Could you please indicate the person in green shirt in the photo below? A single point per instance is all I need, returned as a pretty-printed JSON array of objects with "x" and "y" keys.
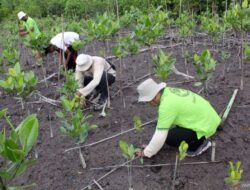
[
  {"x": 28, "y": 25},
  {"x": 182, "y": 116}
]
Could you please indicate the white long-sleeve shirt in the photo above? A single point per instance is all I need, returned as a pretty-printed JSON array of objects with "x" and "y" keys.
[
  {"x": 156, "y": 142},
  {"x": 98, "y": 66}
]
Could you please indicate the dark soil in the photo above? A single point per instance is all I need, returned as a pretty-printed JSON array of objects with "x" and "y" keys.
[{"x": 57, "y": 170}]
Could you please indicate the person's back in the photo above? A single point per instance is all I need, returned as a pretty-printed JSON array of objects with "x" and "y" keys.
[
  {"x": 30, "y": 24},
  {"x": 188, "y": 110}
]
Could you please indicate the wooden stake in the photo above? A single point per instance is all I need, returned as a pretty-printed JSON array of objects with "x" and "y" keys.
[{"x": 108, "y": 138}]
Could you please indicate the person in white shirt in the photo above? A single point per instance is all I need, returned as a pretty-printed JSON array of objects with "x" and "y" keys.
[
  {"x": 94, "y": 74},
  {"x": 62, "y": 43}
]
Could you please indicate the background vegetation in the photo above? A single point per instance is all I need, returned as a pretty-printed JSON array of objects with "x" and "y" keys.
[{"x": 84, "y": 8}]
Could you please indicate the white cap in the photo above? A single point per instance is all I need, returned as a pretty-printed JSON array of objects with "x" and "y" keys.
[
  {"x": 21, "y": 14},
  {"x": 148, "y": 90},
  {"x": 83, "y": 62}
]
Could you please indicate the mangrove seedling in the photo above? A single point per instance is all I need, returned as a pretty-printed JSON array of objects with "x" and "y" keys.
[
  {"x": 74, "y": 123},
  {"x": 128, "y": 152},
  {"x": 183, "y": 147},
  {"x": 14, "y": 149},
  {"x": 9, "y": 56},
  {"x": 183, "y": 150},
  {"x": 163, "y": 65},
  {"x": 77, "y": 45},
  {"x": 19, "y": 82},
  {"x": 70, "y": 85},
  {"x": 204, "y": 65},
  {"x": 235, "y": 173}
]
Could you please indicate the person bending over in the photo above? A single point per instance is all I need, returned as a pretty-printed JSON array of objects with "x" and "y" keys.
[
  {"x": 62, "y": 43},
  {"x": 182, "y": 116},
  {"x": 94, "y": 75}
]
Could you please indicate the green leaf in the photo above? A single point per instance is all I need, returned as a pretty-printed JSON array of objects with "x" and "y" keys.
[
  {"x": 5, "y": 174},
  {"x": 245, "y": 4},
  {"x": 93, "y": 126},
  {"x": 60, "y": 114},
  {"x": 28, "y": 132},
  {"x": 137, "y": 122},
  {"x": 66, "y": 104},
  {"x": 3, "y": 112},
  {"x": 124, "y": 148},
  {"x": 12, "y": 151},
  {"x": 23, "y": 166}
]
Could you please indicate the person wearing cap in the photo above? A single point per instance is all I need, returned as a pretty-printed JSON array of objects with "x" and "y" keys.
[
  {"x": 29, "y": 25},
  {"x": 182, "y": 116},
  {"x": 94, "y": 74},
  {"x": 62, "y": 43}
]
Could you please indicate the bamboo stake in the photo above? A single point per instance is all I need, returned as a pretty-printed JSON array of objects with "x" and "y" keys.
[
  {"x": 108, "y": 138},
  {"x": 229, "y": 106},
  {"x": 110, "y": 172},
  {"x": 175, "y": 171},
  {"x": 155, "y": 165}
]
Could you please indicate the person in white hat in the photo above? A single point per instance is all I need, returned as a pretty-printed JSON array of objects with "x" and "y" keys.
[
  {"x": 94, "y": 73},
  {"x": 62, "y": 43},
  {"x": 28, "y": 25},
  {"x": 182, "y": 116}
]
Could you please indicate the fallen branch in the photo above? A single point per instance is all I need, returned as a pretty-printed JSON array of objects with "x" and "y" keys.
[
  {"x": 154, "y": 165},
  {"x": 108, "y": 138},
  {"x": 181, "y": 74},
  {"x": 110, "y": 172},
  {"x": 48, "y": 100},
  {"x": 47, "y": 78},
  {"x": 97, "y": 184},
  {"x": 130, "y": 84},
  {"x": 149, "y": 49}
]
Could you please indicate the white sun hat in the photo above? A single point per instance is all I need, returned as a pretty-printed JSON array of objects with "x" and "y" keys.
[
  {"x": 83, "y": 62},
  {"x": 148, "y": 90},
  {"x": 21, "y": 14}
]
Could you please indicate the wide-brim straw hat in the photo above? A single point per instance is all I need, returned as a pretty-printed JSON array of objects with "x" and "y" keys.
[
  {"x": 148, "y": 90},
  {"x": 21, "y": 14},
  {"x": 83, "y": 62}
]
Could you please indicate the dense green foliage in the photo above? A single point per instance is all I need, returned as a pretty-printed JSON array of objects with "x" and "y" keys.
[{"x": 86, "y": 8}]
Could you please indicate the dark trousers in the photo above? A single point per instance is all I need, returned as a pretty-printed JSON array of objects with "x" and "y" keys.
[
  {"x": 72, "y": 59},
  {"x": 178, "y": 134},
  {"x": 102, "y": 86}
]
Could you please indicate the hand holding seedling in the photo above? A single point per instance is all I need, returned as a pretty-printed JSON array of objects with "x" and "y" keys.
[
  {"x": 82, "y": 99},
  {"x": 140, "y": 153}
]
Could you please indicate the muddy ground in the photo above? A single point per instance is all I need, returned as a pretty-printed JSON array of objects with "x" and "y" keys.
[{"x": 56, "y": 169}]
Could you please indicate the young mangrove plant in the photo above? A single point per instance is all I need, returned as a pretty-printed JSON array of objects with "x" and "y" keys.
[
  {"x": 238, "y": 17},
  {"x": 212, "y": 26},
  {"x": 14, "y": 149},
  {"x": 19, "y": 82},
  {"x": 70, "y": 85},
  {"x": 235, "y": 174},
  {"x": 204, "y": 65},
  {"x": 128, "y": 152},
  {"x": 102, "y": 28},
  {"x": 185, "y": 24},
  {"x": 73, "y": 122},
  {"x": 163, "y": 64},
  {"x": 138, "y": 126},
  {"x": 183, "y": 147},
  {"x": 10, "y": 56}
]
